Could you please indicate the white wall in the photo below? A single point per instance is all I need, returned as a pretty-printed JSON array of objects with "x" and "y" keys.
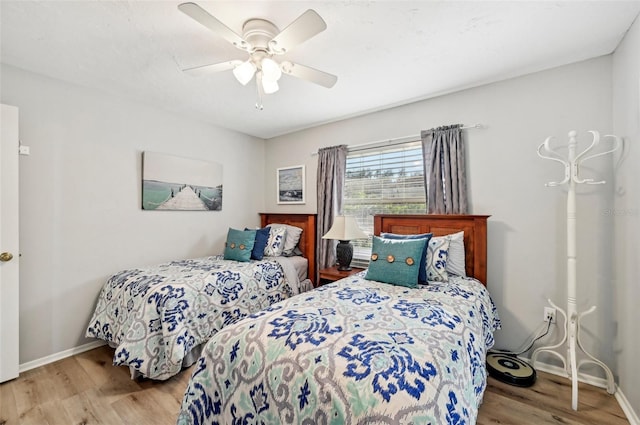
[
  {"x": 80, "y": 199},
  {"x": 626, "y": 217},
  {"x": 527, "y": 228}
]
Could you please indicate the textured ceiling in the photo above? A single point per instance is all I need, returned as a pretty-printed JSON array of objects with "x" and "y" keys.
[{"x": 385, "y": 53}]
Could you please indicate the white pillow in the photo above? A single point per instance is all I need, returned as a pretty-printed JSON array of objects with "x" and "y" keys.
[
  {"x": 456, "y": 261},
  {"x": 292, "y": 237},
  {"x": 275, "y": 243}
]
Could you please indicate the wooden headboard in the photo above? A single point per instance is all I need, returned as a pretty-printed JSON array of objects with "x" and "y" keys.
[
  {"x": 307, "y": 243},
  {"x": 474, "y": 227}
]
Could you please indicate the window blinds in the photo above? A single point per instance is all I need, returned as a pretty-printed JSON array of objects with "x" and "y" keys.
[{"x": 383, "y": 180}]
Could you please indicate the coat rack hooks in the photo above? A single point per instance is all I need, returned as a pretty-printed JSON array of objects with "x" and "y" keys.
[{"x": 571, "y": 317}]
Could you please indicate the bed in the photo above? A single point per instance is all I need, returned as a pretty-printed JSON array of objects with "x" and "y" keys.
[
  {"x": 359, "y": 351},
  {"x": 158, "y": 317}
]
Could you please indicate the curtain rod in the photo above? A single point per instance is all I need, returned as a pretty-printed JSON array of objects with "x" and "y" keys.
[{"x": 396, "y": 140}]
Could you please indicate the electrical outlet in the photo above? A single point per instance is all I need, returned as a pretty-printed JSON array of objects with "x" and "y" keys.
[{"x": 549, "y": 314}]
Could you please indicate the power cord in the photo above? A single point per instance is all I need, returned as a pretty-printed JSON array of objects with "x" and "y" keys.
[{"x": 533, "y": 340}]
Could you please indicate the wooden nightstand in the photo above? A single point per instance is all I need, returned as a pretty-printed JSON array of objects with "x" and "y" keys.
[{"x": 331, "y": 274}]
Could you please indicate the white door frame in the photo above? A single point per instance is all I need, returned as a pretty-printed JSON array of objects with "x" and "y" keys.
[{"x": 9, "y": 269}]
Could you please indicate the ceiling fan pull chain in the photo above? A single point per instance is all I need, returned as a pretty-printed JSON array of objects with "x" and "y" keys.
[{"x": 259, "y": 105}]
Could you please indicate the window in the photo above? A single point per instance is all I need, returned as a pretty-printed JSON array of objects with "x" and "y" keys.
[{"x": 382, "y": 180}]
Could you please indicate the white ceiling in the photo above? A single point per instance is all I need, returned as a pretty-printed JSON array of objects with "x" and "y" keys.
[{"x": 385, "y": 53}]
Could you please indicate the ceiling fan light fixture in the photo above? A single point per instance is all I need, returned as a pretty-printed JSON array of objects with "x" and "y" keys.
[
  {"x": 271, "y": 70},
  {"x": 269, "y": 86},
  {"x": 244, "y": 72}
]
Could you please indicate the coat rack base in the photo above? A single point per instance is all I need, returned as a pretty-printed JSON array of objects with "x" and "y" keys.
[{"x": 571, "y": 339}]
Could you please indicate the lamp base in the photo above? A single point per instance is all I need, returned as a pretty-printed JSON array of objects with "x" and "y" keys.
[{"x": 344, "y": 254}]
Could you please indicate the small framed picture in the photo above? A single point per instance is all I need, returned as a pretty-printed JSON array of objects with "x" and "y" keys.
[{"x": 290, "y": 184}]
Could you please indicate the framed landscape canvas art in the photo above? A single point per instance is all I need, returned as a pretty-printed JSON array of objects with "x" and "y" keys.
[
  {"x": 174, "y": 183},
  {"x": 291, "y": 185}
]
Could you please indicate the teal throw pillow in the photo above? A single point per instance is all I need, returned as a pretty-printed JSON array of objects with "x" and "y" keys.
[
  {"x": 239, "y": 244},
  {"x": 396, "y": 261},
  {"x": 422, "y": 274}
]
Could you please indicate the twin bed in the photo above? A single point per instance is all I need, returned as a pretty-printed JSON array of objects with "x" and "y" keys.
[
  {"x": 358, "y": 350},
  {"x": 157, "y": 318}
]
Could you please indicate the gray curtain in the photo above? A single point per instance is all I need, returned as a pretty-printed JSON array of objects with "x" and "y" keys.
[
  {"x": 444, "y": 170},
  {"x": 332, "y": 163}
]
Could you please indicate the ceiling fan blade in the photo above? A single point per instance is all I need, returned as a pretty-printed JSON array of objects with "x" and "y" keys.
[
  {"x": 310, "y": 74},
  {"x": 214, "y": 67},
  {"x": 205, "y": 18},
  {"x": 303, "y": 28}
]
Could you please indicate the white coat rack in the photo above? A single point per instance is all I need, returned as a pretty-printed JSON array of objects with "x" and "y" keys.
[{"x": 571, "y": 316}]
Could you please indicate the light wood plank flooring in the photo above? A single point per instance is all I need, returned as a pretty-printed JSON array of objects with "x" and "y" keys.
[{"x": 86, "y": 389}]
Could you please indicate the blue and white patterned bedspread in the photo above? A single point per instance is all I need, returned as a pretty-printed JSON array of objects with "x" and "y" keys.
[
  {"x": 156, "y": 315},
  {"x": 352, "y": 352}
]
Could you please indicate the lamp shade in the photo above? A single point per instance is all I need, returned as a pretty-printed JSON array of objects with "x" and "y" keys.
[{"x": 345, "y": 228}]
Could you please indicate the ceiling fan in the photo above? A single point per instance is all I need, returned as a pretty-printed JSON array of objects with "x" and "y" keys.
[{"x": 263, "y": 41}]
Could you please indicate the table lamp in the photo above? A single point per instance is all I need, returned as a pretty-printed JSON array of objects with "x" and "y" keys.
[{"x": 344, "y": 229}]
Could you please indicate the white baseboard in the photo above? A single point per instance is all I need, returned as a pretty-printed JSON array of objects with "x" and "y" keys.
[
  {"x": 559, "y": 371},
  {"x": 59, "y": 356},
  {"x": 626, "y": 407},
  {"x": 632, "y": 417}
]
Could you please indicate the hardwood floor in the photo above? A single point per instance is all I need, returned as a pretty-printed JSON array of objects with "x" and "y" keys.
[
  {"x": 548, "y": 401},
  {"x": 86, "y": 389}
]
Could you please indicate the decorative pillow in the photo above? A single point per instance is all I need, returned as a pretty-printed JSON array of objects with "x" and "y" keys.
[
  {"x": 422, "y": 274},
  {"x": 275, "y": 244},
  {"x": 437, "y": 259},
  {"x": 456, "y": 260},
  {"x": 396, "y": 261},
  {"x": 262, "y": 237},
  {"x": 292, "y": 237},
  {"x": 239, "y": 244}
]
